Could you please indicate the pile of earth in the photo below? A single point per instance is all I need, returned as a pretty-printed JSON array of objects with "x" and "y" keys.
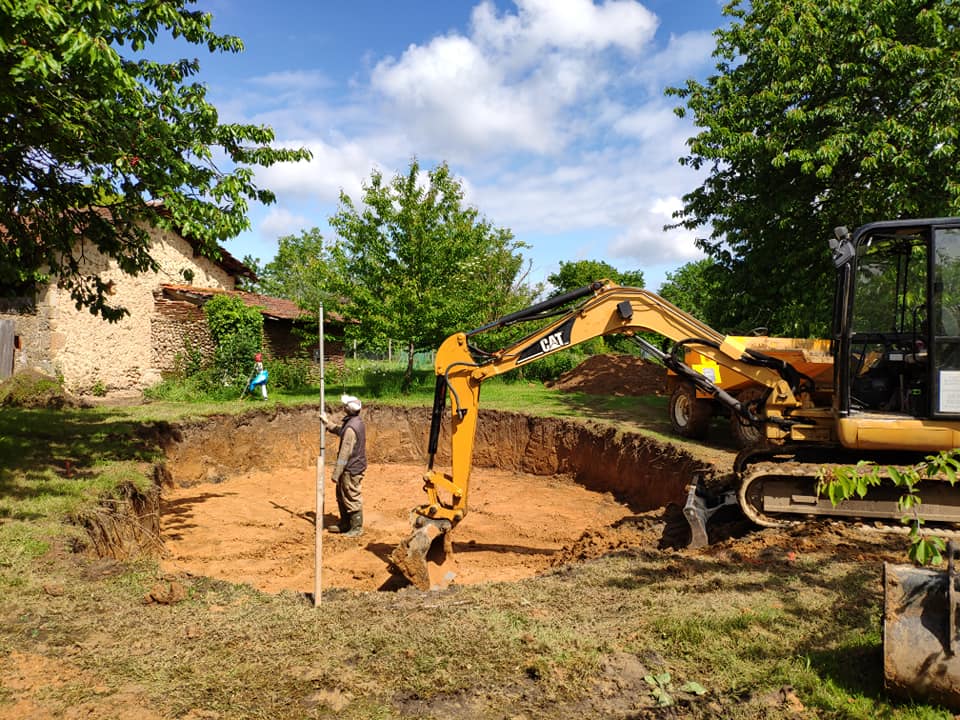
[
  {"x": 34, "y": 389},
  {"x": 614, "y": 375}
]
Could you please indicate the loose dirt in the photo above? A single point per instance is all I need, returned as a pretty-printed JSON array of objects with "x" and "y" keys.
[
  {"x": 258, "y": 528},
  {"x": 241, "y": 498},
  {"x": 618, "y": 375}
]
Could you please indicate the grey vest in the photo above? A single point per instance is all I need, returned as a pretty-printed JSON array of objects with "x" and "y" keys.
[{"x": 357, "y": 462}]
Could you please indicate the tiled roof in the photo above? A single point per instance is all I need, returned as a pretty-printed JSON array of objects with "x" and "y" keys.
[{"x": 272, "y": 307}]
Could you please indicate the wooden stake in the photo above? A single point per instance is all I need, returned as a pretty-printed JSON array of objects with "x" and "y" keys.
[{"x": 318, "y": 550}]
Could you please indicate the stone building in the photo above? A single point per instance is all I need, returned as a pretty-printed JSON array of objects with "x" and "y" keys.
[{"x": 50, "y": 334}]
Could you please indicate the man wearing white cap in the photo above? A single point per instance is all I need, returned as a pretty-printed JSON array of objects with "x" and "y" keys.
[{"x": 350, "y": 465}]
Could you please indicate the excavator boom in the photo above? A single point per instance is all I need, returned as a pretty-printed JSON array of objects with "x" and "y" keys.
[
  {"x": 895, "y": 395},
  {"x": 604, "y": 308}
]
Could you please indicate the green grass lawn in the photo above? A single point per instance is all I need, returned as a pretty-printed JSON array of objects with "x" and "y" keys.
[{"x": 639, "y": 633}]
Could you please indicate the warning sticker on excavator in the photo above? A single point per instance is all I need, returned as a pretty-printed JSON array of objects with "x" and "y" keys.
[{"x": 709, "y": 369}]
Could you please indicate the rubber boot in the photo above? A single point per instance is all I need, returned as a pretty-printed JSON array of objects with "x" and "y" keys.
[
  {"x": 343, "y": 524},
  {"x": 356, "y": 524}
]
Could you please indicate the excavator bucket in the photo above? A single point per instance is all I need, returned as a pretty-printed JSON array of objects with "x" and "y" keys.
[
  {"x": 921, "y": 641},
  {"x": 420, "y": 558},
  {"x": 698, "y": 510}
]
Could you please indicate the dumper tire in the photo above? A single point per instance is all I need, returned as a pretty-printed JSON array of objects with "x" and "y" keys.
[
  {"x": 689, "y": 415},
  {"x": 744, "y": 434}
]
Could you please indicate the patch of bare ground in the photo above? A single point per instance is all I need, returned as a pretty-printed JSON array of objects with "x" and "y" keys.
[
  {"x": 242, "y": 497},
  {"x": 30, "y": 677}
]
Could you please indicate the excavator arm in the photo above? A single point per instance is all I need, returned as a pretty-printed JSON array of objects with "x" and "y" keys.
[{"x": 603, "y": 308}]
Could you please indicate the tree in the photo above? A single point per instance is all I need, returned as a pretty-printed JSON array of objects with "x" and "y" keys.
[
  {"x": 416, "y": 265},
  {"x": 694, "y": 287},
  {"x": 822, "y": 113},
  {"x": 98, "y": 141},
  {"x": 300, "y": 271},
  {"x": 578, "y": 274}
]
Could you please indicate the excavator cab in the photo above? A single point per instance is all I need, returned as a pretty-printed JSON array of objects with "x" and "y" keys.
[{"x": 897, "y": 330}]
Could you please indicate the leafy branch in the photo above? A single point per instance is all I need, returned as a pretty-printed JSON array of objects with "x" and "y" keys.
[{"x": 844, "y": 482}]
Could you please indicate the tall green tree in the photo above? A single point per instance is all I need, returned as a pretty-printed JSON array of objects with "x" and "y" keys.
[
  {"x": 300, "y": 271},
  {"x": 821, "y": 113},
  {"x": 99, "y": 141},
  {"x": 416, "y": 264},
  {"x": 580, "y": 273},
  {"x": 695, "y": 288}
]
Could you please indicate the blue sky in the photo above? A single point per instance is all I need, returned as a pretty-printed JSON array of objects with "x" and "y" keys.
[{"x": 550, "y": 112}]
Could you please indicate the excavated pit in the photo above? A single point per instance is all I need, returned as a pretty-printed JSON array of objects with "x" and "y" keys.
[{"x": 239, "y": 497}]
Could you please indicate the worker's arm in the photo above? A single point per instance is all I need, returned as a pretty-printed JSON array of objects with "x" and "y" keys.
[
  {"x": 329, "y": 424},
  {"x": 347, "y": 442}
]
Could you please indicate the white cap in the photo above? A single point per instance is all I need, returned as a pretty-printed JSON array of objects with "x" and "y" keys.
[{"x": 352, "y": 403}]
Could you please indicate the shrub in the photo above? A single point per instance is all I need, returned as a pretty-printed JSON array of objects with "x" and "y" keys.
[
  {"x": 207, "y": 385},
  {"x": 380, "y": 381},
  {"x": 237, "y": 331},
  {"x": 548, "y": 368},
  {"x": 291, "y": 375},
  {"x": 190, "y": 361},
  {"x": 33, "y": 389}
]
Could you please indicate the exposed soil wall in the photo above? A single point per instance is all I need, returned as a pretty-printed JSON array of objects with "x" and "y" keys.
[
  {"x": 639, "y": 470},
  {"x": 237, "y": 496},
  {"x": 127, "y": 525}
]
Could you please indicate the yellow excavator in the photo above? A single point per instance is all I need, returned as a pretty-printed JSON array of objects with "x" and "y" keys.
[{"x": 895, "y": 343}]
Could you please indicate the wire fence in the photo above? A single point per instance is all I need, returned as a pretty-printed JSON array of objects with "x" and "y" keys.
[{"x": 394, "y": 353}]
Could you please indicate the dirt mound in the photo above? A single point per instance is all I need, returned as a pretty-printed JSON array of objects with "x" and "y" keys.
[
  {"x": 613, "y": 375},
  {"x": 33, "y": 389}
]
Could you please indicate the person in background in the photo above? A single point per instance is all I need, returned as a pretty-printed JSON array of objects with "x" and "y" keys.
[
  {"x": 350, "y": 465},
  {"x": 259, "y": 376}
]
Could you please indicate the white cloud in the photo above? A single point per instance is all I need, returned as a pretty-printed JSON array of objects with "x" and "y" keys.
[
  {"x": 520, "y": 81},
  {"x": 645, "y": 239},
  {"x": 684, "y": 56},
  {"x": 279, "y": 222},
  {"x": 343, "y": 166},
  {"x": 293, "y": 80},
  {"x": 652, "y": 122},
  {"x": 570, "y": 24},
  {"x": 450, "y": 95}
]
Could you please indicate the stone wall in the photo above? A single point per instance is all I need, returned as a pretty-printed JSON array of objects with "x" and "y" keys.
[
  {"x": 86, "y": 350},
  {"x": 178, "y": 328},
  {"x": 32, "y": 329}
]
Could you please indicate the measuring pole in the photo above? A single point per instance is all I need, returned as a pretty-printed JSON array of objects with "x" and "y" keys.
[{"x": 318, "y": 554}]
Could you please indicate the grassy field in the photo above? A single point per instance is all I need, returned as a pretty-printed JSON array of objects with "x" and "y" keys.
[{"x": 642, "y": 633}]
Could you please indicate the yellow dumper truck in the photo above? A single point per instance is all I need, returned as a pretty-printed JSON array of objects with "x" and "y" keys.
[{"x": 692, "y": 409}]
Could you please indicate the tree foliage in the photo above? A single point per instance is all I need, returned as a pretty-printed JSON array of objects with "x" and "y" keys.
[
  {"x": 706, "y": 290},
  {"x": 300, "y": 271},
  {"x": 841, "y": 483},
  {"x": 417, "y": 265},
  {"x": 580, "y": 273},
  {"x": 98, "y": 141},
  {"x": 821, "y": 113},
  {"x": 237, "y": 332}
]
